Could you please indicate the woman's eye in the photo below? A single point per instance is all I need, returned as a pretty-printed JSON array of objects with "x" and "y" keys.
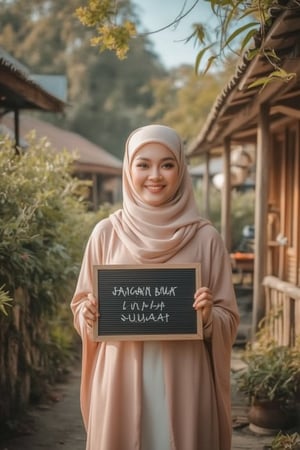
[
  {"x": 142, "y": 165},
  {"x": 168, "y": 165}
]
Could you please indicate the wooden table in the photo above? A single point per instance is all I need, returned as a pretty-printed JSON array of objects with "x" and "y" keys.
[{"x": 242, "y": 263}]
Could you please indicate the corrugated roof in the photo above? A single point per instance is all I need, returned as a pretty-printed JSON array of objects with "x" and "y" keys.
[
  {"x": 54, "y": 84},
  {"x": 18, "y": 91},
  {"x": 13, "y": 63},
  {"x": 236, "y": 107}
]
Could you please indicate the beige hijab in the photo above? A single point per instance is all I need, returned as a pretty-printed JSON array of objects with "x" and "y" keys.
[{"x": 154, "y": 234}]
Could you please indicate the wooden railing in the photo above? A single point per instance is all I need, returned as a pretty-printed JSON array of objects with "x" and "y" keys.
[{"x": 283, "y": 309}]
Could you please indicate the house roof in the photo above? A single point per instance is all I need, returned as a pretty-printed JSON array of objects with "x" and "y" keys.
[
  {"x": 19, "y": 91},
  {"x": 54, "y": 84},
  {"x": 91, "y": 158},
  {"x": 234, "y": 113}
]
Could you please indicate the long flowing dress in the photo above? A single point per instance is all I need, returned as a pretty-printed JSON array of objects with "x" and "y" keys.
[{"x": 168, "y": 395}]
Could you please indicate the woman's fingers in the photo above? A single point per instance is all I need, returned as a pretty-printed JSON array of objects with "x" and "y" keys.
[
  {"x": 203, "y": 300},
  {"x": 90, "y": 310}
]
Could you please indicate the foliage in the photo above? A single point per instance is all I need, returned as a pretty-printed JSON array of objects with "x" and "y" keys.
[
  {"x": 243, "y": 205},
  {"x": 107, "y": 98},
  {"x": 183, "y": 100},
  {"x": 5, "y": 300},
  {"x": 43, "y": 223},
  {"x": 214, "y": 205},
  {"x": 240, "y": 24},
  {"x": 39, "y": 222},
  {"x": 284, "y": 441},
  {"x": 242, "y": 211},
  {"x": 44, "y": 226},
  {"x": 110, "y": 35},
  {"x": 272, "y": 371}
]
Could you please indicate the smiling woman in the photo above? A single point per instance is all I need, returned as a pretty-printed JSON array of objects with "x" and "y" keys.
[
  {"x": 158, "y": 394},
  {"x": 154, "y": 173}
]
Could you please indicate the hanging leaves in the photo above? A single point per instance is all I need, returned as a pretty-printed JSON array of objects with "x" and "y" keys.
[{"x": 102, "y": 16}]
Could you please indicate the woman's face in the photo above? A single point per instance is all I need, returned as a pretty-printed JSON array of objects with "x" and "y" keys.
[{"x": 154, "y": 173}]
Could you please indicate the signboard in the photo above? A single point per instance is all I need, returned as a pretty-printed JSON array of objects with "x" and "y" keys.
[{"x": 147, "y": 302}]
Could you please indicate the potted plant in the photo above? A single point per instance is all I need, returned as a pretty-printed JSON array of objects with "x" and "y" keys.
[
  {"x": 286, "y": 441},
  {"x": 271, "y": 380}
]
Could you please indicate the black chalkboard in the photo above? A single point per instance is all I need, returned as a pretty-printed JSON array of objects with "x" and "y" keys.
[{"x": 147, "y": 302}]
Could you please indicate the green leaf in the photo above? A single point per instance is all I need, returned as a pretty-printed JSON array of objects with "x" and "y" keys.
[
  {"x": 5, "y": 300},
  {"x": 199, "y": 33},
  {"x": 221, "y": 3},
  {"x": 248, "y": 12},
  {"x": 277, "y": 75},
  {"x": 239, "y": 31},
  {"x": 247, "y": 38},
  {"x": 200, "y": 56},
  {"x": 211, "y": 59},
  {"x": 251, "y": 53}
]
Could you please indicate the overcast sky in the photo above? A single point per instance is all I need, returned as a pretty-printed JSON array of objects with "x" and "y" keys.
[{"x": 168, "y": 44}]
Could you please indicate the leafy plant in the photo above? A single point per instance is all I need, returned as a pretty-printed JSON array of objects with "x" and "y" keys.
[
  {"x": 110, "y": 34},
  {"x": 44, "y": 225},
  {"x": 5, "y": 300},
  {"x": 239, "y": 24},
  {"x": 284, "y": 441},
  {"x": 272, "y": 371}
]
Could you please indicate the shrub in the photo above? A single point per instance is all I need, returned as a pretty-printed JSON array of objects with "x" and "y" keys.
[{"x": 44, "y": 225}]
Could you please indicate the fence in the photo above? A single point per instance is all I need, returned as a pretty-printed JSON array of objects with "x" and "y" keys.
[{"x": 283, "y": 306}]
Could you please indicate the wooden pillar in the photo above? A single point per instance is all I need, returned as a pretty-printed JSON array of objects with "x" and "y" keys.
[
  {"x": 206, "y": 186},
  {"x": 226, "y": 197},
  {"x": 17, "y": 130},
  {"x": 261, "y": 215},
  {"x": 95, "y": 192}
]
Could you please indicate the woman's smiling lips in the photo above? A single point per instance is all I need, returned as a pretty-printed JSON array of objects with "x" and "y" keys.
[{"x": 154, "y": 188}]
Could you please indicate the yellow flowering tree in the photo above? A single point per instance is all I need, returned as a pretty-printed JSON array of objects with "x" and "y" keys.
[{"x": 238, "y": 22}]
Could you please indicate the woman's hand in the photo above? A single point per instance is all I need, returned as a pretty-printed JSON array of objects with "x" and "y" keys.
[
  {"x": 204, "y": 301},
  {"x": 89, "y": 310}
]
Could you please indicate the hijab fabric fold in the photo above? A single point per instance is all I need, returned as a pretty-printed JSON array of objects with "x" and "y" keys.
[{"x": 154, "y": 234}]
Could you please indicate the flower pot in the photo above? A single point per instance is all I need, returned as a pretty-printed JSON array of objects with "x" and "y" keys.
[{"x": 269, "y": 417}]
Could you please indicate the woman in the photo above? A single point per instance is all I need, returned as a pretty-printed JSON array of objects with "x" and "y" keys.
[{"x": 167, "y": 395}]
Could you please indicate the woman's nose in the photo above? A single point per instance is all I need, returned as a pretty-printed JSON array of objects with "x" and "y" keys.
[{"x": 155, "y": 173}]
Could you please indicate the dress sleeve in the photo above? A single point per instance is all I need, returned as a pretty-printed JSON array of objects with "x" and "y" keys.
[
  {"x": 225, "y": 321},
  {"x": 92, "y": 256}
]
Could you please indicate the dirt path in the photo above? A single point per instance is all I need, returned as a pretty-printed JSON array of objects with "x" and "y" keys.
[
  {"x": 54, "y": 426},
  {"x": 58, "y": 426}
]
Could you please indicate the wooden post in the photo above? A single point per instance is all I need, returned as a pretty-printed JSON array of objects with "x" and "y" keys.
[
  {"x": 226, "y": 197},
  {"x": 17, "y": 130},
  {"x": 206, "y": 189},
  {"x": 261, "y": 215},
  {"x": 95, "y": 192}
]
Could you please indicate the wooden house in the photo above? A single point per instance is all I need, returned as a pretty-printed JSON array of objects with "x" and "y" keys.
[
  {"x": 269, "y": 118},
  {"x": 20, "y": 91},
  {"x": 92, "y": 162}
]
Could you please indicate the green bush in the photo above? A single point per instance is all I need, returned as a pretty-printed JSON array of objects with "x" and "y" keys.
[
  {"x": 5, "y": 300},
  {"x": 40, "y": 222},
  {"x": 272, "y": 371},
  {"x": 286, "y": 441},
  {"x": 44, "y": 225}
]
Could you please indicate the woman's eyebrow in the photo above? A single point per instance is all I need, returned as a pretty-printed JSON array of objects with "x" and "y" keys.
[{"x": 167, "y": 158}]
